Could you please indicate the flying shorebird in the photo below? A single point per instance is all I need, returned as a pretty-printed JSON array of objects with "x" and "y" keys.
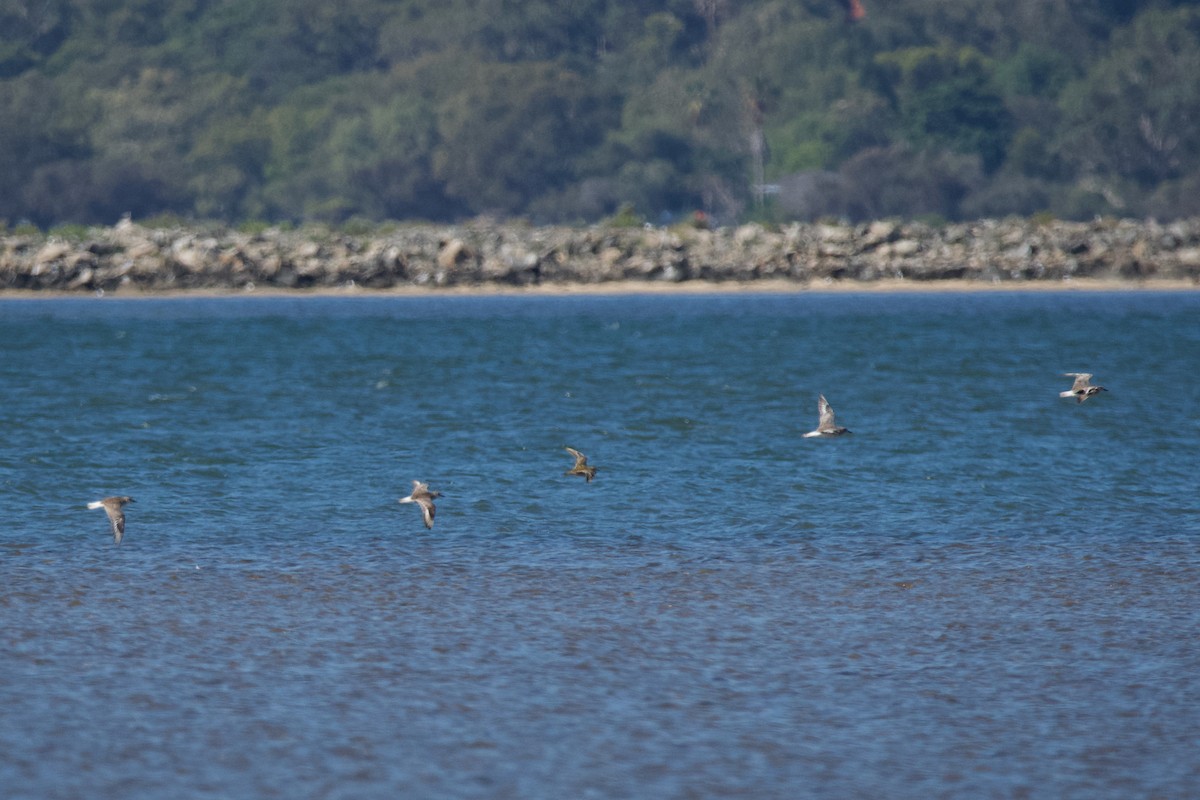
[
  {"x": 424, "y": 498},
  {"x": 581, "y": 466},
  {"x": 1082, "y": 389},
  {"x": 113, "y": 506},
  {"x": 826, "y": 426}
]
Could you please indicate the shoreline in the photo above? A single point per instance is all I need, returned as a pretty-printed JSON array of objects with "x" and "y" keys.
[
  {"x": 634, "y": 288},
  {"x": 487, "y": 258}
]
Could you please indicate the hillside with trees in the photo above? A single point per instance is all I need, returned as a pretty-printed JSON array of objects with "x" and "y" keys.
[{"x": 299, "y": 110}]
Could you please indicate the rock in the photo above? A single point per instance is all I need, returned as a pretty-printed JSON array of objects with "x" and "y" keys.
[
  {"x": 190, "y": 258},
  {"x": 517, "y": 257},
  {"x": 747, "y": 234},
  {"x": 1189, "y": 256},
  {"x": 834, "y": 233},
  {"x": 983, "y": 250},
  {"x": 610, "y": 256},
  {"x": 880, "y": 232},
  {"x": 141, "y": 248},
  {"x": 51, "y": 252},
  {"x": 83, "y": 279},
  {"x": 453, "y": 252},
  {"x": 79, "y": 259}
]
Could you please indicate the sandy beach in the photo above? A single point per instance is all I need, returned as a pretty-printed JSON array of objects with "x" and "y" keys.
[{"x": 640, "y": 287}]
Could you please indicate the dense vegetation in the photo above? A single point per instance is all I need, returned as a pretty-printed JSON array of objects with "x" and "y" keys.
[{"x": 564, "y": 112}]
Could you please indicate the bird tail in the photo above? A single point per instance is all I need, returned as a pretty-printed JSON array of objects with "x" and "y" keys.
[
  {"x": 1066, "y": 394},
  {"x": 95, "y": 504}
]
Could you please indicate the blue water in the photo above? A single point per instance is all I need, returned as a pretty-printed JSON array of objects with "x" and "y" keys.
[{"x": 984, "y": 591}]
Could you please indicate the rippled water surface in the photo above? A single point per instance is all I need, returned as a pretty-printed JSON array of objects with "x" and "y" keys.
[{"x": 984, "y": 591}]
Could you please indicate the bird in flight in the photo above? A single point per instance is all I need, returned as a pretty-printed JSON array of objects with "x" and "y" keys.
[
  {"x": 581, "y": 466},
  {"x": 114, "y": 507},
  {"x": 424, "y": 498},
  {"x": 826, "y": 426},
  {"x": 1082, "y": 389}
]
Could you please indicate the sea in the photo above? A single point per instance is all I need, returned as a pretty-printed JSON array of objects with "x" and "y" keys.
[{"x": 983, "y": 591}]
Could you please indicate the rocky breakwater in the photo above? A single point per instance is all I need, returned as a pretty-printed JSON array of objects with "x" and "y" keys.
[{"x": 129, "y": 256}]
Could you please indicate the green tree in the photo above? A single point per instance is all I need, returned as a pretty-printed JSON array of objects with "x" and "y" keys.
[
  {"x": 510, "y": 132},
  {"x": 384, "y": 157},
  {"x": 39, "y": 126},
  {"x": 30, "y": 31},
  {"x": 227, "y": 164},
  {"x": 443, "y": 108},
  {"x": 946, "y": 99},
  {"x": 1133, "y": 117}
]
